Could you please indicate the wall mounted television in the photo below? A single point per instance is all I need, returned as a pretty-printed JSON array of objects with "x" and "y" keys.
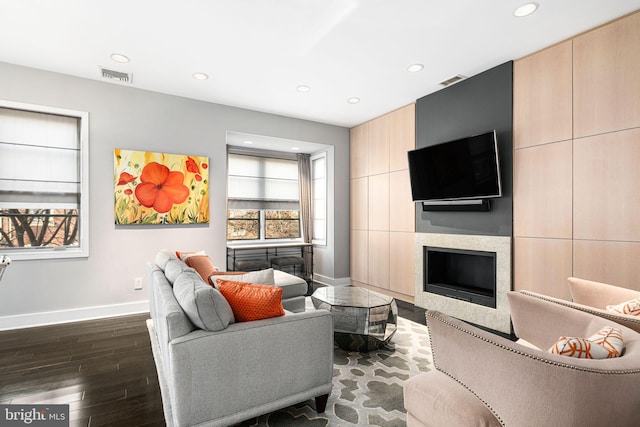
[{"x": 462, "y": 172}]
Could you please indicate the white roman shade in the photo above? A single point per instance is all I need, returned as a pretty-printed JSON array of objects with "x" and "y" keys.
[
  {"x": 257, "y": 182},
  {"x": 40, "y": 160}
]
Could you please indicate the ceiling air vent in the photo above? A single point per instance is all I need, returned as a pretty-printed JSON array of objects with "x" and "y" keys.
[
  {"x": 452, "y": 80},
  {"x": 118, "y": 76}
]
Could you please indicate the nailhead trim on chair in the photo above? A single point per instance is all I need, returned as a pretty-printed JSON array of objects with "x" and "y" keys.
[
  {"x": 603, "y": 314},
  {"x": 433, "y": 356},
  {"x": 538, "y": 358}
]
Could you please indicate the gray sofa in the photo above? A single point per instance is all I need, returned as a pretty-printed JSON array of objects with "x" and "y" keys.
[{"x": 215, "y": 372}]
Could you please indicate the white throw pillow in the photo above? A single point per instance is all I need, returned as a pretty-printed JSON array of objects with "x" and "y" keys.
[{"x": 260, "y": 277}]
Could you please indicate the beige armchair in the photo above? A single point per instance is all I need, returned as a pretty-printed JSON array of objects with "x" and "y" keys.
[
  {"x": 594, "y": 297},
  {"x": 482, "y": 379}
]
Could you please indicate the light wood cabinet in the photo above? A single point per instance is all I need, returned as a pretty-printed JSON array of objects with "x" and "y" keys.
[
  {"x": 606, "y": 79},
  {"x": 542, "y": 182},
  {"x": 543, "y": 266},
  {"x": 615, "y": 263},
  {"x": 379, "y": 146},
  {"x": 402, "y": 136},
  {"x": 542, "y": 97},
  {"x": 359, "y": 153},
  {"x": 606, "y": 187},
  {"x": 381, "y": 205},
  {"x": 575, "y": 199}
]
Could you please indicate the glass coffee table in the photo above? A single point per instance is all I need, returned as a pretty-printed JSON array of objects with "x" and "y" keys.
[{"x": 363, "y": 320}]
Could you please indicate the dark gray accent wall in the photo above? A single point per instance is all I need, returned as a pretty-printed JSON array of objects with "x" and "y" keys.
[{"x": 473, "y": 106}]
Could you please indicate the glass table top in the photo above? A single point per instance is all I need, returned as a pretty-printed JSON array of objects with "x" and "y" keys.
[{"x": 351, "y": 296}]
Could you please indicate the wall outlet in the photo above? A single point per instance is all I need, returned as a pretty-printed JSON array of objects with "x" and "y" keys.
[{"x": 137, "y": 283}]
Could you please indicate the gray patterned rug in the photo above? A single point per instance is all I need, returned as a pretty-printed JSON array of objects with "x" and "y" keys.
[{"x": 367, "y": 387}]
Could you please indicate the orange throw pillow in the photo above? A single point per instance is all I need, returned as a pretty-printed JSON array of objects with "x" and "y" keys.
[
  {"x": 202, "y": 264},
  {"x": 250, "y": 301}
]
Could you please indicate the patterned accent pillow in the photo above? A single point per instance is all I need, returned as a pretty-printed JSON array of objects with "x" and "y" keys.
[
  {"x": 628, "y": 307},
  {"x": 610, "y": 339},
  {"x": 250, "y": 301},
  {"x": 604, "y": 344}
]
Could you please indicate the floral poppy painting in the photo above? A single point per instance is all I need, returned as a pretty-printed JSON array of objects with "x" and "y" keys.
[{"x": 160, "y": 188}]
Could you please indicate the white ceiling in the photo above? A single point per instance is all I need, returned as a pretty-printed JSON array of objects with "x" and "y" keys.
[{"x": 256, "y": 52}]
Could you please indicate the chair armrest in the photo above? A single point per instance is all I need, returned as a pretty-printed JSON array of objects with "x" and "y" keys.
[
  {"x": 528, "y": 387},
  {"x": 261, "y": 362},
  {"x": 631, "y": 322},
  {"x": 599, "y": 295}
]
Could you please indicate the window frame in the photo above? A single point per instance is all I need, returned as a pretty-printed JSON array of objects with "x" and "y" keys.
[
  {"x": 316, "y": 156},
  {"x": 82, "y": 250}
]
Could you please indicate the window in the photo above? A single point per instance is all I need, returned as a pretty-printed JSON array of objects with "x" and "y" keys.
[
  {"x": 262, "y": 197},
  {"x": 319, "y": 196},
  {"x": 43, "y": 182}
]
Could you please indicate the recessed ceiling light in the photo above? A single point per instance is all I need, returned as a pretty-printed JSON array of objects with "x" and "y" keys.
[
  {"x": 303, "y": 88},
  {"x": 295, "y": 148},
  {"x": 200, "y": 76},
  {"x": 414, "y": 68},
  {"x": 118, "y": 57},
  {"x": 525, "y": 10},
  {"x": 248, "y": 142},
  {"x": 353, "y": 100}
]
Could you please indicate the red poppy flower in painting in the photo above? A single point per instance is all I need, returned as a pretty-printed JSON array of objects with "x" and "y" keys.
[
  {"x": 126, "y": 178},
  {"x": 128, "y": 192},
  {"x": 161, "y": 188},
  {"x": 192, "y": 166}
]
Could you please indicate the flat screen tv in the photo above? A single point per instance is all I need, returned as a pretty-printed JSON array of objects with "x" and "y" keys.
[{"x": 463, "y": 169}]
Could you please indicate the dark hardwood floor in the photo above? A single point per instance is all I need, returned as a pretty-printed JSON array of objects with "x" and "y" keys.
[{"x": 103, "y": 369}]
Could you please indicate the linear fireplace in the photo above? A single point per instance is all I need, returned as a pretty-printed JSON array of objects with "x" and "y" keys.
[
  {"x": 458, "y": 258},
  {"x": 466, "y": 275}
]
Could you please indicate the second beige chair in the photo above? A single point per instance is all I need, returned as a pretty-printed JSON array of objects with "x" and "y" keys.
[{"x": 594, "y": 297}]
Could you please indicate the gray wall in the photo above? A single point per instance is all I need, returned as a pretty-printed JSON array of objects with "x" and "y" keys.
[
  {"x": 45, "y": 291},
  {"x": 473, "y": 106}
]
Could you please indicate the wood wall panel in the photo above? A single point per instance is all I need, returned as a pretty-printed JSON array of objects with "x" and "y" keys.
[
  {"x": 359, "y": 255},
  {"x": 402, "y": 136},
  {"x": 359, "y": 151},
  {"x": 359, "y": 214},
  {"x": 542, "y": 191},
  {"x": 379, "y": 259},
  {"x": 401, "y": 263},
  {"x": 606, "y": 82},
  {"x": 615, "y": 263},
  {"x": 543, "y": 266},
  {"x": 402, "y": 210},
  {"x": 542, "y": 92},
  {"x": 606, "y": 200},
  {"x": 379, "y": 202},
  {"x": 379, "y": 145}
]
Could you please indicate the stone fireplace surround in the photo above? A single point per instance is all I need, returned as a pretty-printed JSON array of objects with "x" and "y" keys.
[{"x": 497, "y": 319}]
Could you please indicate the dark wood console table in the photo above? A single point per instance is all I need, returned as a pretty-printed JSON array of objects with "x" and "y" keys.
[{"x": 266, "y": 251}]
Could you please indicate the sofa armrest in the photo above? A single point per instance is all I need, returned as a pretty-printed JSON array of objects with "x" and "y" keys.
[
  {"x": 528, "y": 387},
  {"x": 598, "y": 295},
  {"x": 285, "y": 359}
]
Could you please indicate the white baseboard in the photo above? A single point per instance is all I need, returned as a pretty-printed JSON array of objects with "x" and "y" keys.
[
  {"x": 73, "y": 315},
  {"x": 330, "y": 281}
]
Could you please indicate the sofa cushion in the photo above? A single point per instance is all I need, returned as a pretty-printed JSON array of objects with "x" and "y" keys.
[
  {"x": 261, "y": 277},
  {"x": 163, "y": 257},
  {"x": 203, "y": 305},
  {"x": 183, "y": 255},
  {"x": 173, "y": 269},
  {"x": 250, "y": 301},
  {"x": 292, "y": 286}
]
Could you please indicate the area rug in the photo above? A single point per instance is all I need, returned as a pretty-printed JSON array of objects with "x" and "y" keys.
[{"x": 367, "y": 387}]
